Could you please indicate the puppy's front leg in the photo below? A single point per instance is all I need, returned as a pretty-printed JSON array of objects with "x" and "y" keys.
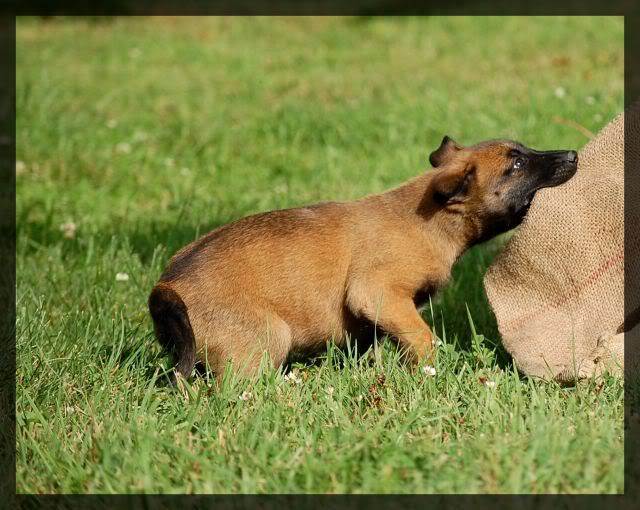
[{"x": 396, "y": 315}]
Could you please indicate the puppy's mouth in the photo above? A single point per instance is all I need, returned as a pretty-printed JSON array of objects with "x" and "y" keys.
[
  {"x": 564, "y": 168},
  {"x": 563, "y": 173}
]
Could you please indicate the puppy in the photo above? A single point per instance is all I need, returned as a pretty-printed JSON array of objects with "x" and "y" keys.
[{"x": 282, "y": 283}]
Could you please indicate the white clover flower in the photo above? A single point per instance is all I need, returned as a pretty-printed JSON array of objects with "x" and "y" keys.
[
  {"x": 590, "y": 100},
  {"x": 486, "y": 382},
  {"x": 281, "y": 189},
  {"x": 112, "y": 123},
  {"x": 123, "y": 148},
  {"x": 293, "y": 378},
  {"x": 122, "y": 277},
  {"x": 429, "y": 370},
  {"x": 246, "y": 395},
  {"x": 140, "y": 136},
  {"x": 21, "y": 167},
  {"x": 68, "y": 229},
  {"x": 560, "y": 92}
]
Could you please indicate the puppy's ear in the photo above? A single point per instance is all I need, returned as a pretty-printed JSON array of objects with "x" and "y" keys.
[
  {"x": 449, "y": 184},
  {"x": 444, "y": 153}
]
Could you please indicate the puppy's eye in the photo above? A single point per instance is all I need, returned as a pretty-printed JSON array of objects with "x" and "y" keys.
[{"x": 518, "y": 163}]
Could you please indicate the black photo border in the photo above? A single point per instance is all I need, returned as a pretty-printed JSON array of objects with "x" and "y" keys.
[{"x": 8, "y": 13}]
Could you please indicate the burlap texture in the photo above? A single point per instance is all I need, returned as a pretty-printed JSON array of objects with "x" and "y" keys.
[{"x": 557, "y": 289}]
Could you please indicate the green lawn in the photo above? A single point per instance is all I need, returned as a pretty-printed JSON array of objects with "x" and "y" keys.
[{"x": 145, "y": 133}]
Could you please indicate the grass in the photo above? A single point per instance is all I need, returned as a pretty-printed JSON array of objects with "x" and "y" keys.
[{"x": 145, "y": 133}]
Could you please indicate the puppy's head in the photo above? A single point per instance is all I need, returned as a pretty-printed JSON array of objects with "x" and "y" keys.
[{"x": 492, "y": 184}]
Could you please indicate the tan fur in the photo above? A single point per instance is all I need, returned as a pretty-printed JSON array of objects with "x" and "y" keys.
[{"x": 287, "y": 281}]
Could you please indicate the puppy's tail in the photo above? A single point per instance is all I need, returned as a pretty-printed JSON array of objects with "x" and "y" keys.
[{"x": 172, "y": 327}]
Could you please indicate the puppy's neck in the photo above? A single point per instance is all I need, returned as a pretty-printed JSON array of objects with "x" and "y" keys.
[{"x": 414, "y": 202}]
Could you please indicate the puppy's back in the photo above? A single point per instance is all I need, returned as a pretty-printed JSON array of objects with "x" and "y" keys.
[
  {"x": 259, "y": 239},
  {"x": 292, "y": 262}
]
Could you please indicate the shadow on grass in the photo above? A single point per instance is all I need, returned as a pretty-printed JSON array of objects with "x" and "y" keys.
[
  {"x": 141, "y": 238},
  {"x": 463, "y": 306}
]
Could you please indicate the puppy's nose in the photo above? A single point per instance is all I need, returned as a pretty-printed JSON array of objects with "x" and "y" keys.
[{"x": 571, "y": 156}]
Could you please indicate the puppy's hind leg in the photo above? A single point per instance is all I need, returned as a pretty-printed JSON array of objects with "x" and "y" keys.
[{"x": 245, "y": 341}]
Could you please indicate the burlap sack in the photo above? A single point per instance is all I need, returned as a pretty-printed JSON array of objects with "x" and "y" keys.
[{"x": 557, "y": 289}]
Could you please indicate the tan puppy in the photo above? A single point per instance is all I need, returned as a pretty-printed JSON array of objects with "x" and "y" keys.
[{"x": 285, "y": 282}]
